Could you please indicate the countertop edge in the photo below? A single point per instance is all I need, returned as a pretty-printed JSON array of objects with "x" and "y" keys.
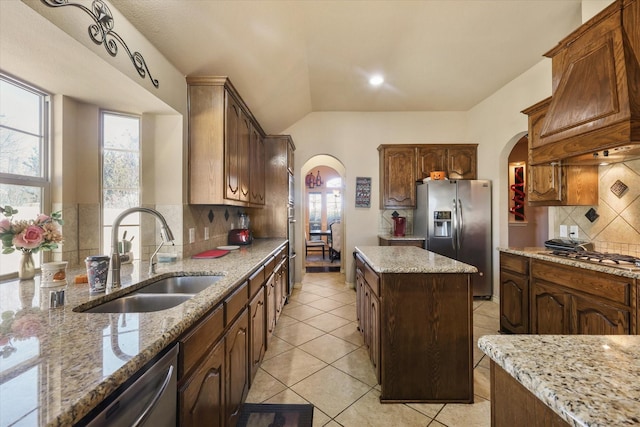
[{"x": 411, "y": 259}]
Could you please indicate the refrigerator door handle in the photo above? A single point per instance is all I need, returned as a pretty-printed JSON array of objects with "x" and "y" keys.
[
  {"x": 460, "y": 224},
  {"x": 454, "y": 229}
]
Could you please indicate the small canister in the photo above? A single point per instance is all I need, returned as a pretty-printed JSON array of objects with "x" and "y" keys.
[
  {"x": 53, "y": 274},
  {"x": 97, "y": 272}
]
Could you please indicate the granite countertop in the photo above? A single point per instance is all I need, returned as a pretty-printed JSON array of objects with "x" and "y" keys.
[
  {"x": 589, "y": 380},
  {"x": 545, "y": 255},
  {"x": 405, "y": 237},
  {"x": 58, "y": 364},
  {"x": 410, "y": 259}
]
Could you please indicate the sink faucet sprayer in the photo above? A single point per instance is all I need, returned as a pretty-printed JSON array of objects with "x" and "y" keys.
[{"x": 165, "y": 234}]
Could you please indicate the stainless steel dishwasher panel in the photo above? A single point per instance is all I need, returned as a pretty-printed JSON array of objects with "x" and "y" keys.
[{"x": 150, "y": 400}]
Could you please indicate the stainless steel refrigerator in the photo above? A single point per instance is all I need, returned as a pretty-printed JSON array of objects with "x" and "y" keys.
[{"x": 455, "y": 218}]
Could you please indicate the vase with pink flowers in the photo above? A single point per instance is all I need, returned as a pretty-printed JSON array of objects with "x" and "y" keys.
[{"x": 29, "y": 237}]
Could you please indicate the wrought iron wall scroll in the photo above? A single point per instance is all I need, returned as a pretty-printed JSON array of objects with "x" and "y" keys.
[{"x": 101, "y": 33}]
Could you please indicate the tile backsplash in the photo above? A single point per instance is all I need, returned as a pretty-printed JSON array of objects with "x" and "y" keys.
[{"x": 617, "y": 229}]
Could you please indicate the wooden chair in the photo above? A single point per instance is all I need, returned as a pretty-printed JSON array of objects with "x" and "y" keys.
[
  {"x": 336, "y": 241},
  {"x": 313, "y": 244}
]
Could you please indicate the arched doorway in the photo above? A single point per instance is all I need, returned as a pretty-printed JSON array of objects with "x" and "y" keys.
[
  {"x": 528, "y": 225},
  {"x": 322, "y": 214}
]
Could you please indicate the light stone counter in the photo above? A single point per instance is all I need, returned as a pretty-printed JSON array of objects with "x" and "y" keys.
[
  {"x": 410, "y": 259},
  {"x": 588, "y": 380},
  {"x": 545, "y": 255},
  {"x": 56, "y": 364},
  {"x": 405, "y": 237}
]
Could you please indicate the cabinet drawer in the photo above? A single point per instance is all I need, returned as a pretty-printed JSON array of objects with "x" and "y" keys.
[
  {"x": 196, "y": 342},
  {"x": 515, "y": 263},
  {"x": 372, "y": 279},
  {"x": 269, "y": 266},
  {"x": 606, "y": 286},
  {"x": 234, "y": 303},
  {"x": 255, "y": 281}
]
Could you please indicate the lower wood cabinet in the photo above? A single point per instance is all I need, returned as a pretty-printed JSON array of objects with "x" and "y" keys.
[
  {"x": 513, "y": 405},
  {"x": 270, "y": 290},
  {"x": 368, "y": 311},
  {"x": 390, "y": 241},
  {"x": 257, "y": 332},
  {"x": 237, "y": 369},
  {"x": 552, "y": 298}
]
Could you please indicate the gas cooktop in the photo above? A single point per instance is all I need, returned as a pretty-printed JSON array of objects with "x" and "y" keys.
[{"x": 624, "y": 262}]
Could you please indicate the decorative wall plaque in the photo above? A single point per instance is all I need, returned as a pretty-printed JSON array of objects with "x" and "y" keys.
[{"x": 363, "y": 192}]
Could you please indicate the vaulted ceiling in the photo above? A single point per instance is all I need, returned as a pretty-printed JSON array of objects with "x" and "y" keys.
[{"x": 288, "y": 58}]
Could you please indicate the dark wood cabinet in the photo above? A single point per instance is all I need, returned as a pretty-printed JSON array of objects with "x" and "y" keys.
[
  {"x": 237, "y": 369},
  {"x": 514, "y": 294},
  {"x": 270, "y": 289},
  {"x": 564, "y": 299},
  {"x": 225, "y": 156},
  {"x": 556, "y": 184},
  {"x": 391, "y": 241},
  {"x": 513, "y": 405},
  {"x": 374, "y": 327},
  {"x": 257, "y": 332},
  {"x": 368, "y": 309},
  {"x": 401, "y": 165}
]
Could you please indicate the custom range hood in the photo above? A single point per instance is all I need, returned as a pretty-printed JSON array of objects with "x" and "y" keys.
[{"x": 594, "y": 114}]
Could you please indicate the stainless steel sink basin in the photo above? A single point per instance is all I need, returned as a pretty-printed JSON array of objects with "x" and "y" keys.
[
  {"x": 159, "y": 295},
  {"x": 180, "y": 285},
  {"x": 140, "y": 303}
]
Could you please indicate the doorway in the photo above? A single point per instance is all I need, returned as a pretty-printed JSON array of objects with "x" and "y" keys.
[
  {"x": 322, "y": 224},
  {"x": 528, "y": 225}
]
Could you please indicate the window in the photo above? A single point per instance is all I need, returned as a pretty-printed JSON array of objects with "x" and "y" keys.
[
  {"x": 315, "y": 211},
  {"x": 24, "y": 150},
  {"x": 120, "y": 177}
]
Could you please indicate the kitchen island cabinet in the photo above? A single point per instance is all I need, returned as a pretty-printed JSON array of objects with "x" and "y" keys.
[
  {"x": 561, "y": 380},
  {"x": 415, "y": 310},
  {"x": 391, "y": 240}
]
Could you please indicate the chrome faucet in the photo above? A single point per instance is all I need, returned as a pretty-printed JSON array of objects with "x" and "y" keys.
[{"x": 165, "y": 234}]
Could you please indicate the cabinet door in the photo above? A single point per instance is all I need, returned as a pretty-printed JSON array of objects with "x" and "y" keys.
[
  {"x": 374, "y": 348},
  {"x": 462, "y": 163},
  {"x": 591, "y": 317},
  {"x": 398, "y": 177},
  {"x": 202, "y": 398},
  {"x": 279, "y": 291},
  {"x": 257, "y": 170},
  {"x": 290, "y": 158},
  {"x": 270, "y": 289},
  {"x": 232, "y": 167},
  {"x": 257, "y": 332},
  {"x": 244, "y": 137},
  {"x": 237, "y": 357},
  {"x": 360, "y": 307},
  {"x": 514, "y": 302},
  {"x": 367, "y": 317},
  {"x": 549, "y": 309},
  {"x": 429, "y": 160},
  {"x": 545, "y": 185}
]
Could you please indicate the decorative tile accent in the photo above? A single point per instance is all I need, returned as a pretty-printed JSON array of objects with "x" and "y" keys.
[
  {"x": 618, "y": 188},
  {"x": 210, "y": 216},
  {"x": 591, "y": 215}
]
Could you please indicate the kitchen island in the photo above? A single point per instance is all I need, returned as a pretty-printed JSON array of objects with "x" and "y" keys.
[
  {"x": 578, "y": 380},
  {"x": 414, "y": 310},
  {"x": 59, "y": 364}
]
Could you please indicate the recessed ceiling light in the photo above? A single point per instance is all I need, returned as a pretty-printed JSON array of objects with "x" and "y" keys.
[{"x": 376, "y": 80}]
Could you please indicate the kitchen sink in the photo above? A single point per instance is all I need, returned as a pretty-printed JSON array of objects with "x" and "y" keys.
[
  {"x": 140, "y": 303},
  {"x": 180, "y": 285},
  {"x": 159, "y": 295}
]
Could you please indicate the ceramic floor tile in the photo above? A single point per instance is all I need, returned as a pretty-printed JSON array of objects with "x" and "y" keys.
[
  {"x": 276, "y": 346},
  {"x": 304, "y": 297},
  {"x": 328, "y": 348},
  {"x": 358, "y": 365},
  {"x": 348, "y": 297},
  {"x": 486, "y": 322},
  {"x": 302, "y": 312},
  {"x": 285, "y": 321},
  {"x": 327, "y": 322},
  {"x": 368, "y": 411},
  {"x": 321, "y": 419},
  {"x": 428, "y": 409},
  {"x": 477, "y": 414},
  {"x": 326, "y": 304},
  {"x": 482, "y": 383},
  {"x": 325, "y": 291},
  {"x": 298, "y": 333},
  {"x": 292, "y": 366},
  {"x": 287, "y": 396},
  {"x": 485, "y": 362},
  {"x": 264, "y": 387},
  {"x": 346, "y": 311},
  {"x": 349, "y": 332},
  {"x": 435, "y": 423},
  {"x": 489, "y": 308},
  {"x": 321, "y": 390}
]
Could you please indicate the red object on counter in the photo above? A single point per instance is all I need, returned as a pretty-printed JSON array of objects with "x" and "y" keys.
[
  {"x": 399, "y": 225},
  {"x": 212, "y": 253}
]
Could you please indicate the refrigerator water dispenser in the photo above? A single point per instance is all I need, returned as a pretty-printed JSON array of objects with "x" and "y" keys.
[{"x": 442, "y": 223}]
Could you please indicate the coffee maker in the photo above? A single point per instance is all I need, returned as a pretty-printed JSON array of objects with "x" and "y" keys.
[
  {"x": 399, "y": 224},
  {"x": 241, "y": 235}
]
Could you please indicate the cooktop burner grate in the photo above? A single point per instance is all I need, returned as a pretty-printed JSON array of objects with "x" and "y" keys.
[{"x": 605, "y": 258}]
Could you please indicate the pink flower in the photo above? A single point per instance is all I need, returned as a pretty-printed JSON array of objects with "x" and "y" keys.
[
  {"x": 30, "y": 238},
  {"x": 42, "y": 218},
  {"x": 5, "y": 225}
]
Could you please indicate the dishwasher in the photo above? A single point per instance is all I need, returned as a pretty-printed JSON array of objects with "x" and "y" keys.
[{"x": 148, "y": 399}]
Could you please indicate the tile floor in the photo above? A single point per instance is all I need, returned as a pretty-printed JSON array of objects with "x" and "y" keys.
[{"x": 316, "y": 355}]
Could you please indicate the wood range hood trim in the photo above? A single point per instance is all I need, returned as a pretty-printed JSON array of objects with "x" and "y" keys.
[{"x": 595, "y": 110}]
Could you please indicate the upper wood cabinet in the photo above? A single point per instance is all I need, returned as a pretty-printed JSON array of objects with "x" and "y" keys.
[
  {"x": 226, "y": 146},
  {"x": 595, "y": 87},
  {"x": 555, "y": 184},
  {"x": 401, "y": 165}
]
